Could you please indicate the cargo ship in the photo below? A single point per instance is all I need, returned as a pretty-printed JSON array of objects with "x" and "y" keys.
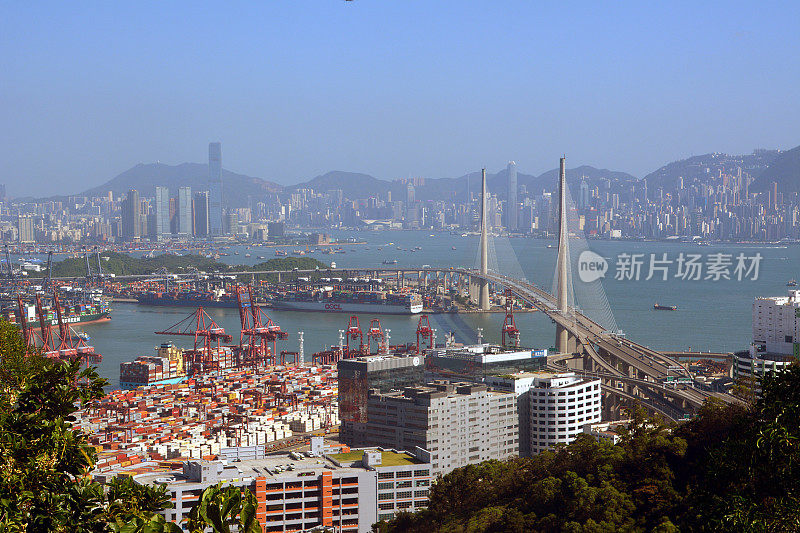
[
  {"x": 215, "y": 298},
  {"x": 328, "y": 300},
  {"x": 72, "y": 313},
  {"x": 659, "y": 307},
  {"x": 167, "y": 367}
]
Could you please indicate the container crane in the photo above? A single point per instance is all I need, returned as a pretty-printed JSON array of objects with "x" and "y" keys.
[
  {"x": 424, "y": 332},
  {"x": 206, "y": 334},
  {"x": 49, "y": 284},
  {"x": 258, "y": 328},
  {"x": 376, "y": 332},
  {"x": 354, "y": 332},
  {"x": 509, "y": 325}
]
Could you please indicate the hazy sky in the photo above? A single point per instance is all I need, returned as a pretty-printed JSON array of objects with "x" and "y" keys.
[{"x": 391, "y": 88}]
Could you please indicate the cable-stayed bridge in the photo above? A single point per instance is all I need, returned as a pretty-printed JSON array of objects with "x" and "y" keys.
[{"x": 587, "y": 340}]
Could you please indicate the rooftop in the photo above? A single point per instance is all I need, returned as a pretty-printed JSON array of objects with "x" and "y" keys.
[{"x": 388, "y": 458}]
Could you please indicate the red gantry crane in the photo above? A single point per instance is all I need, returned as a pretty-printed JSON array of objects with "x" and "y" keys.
[
  {"x": 424, "y": 332},
  {"x": 375, "y": 333},
  {"x": 207, "y": 337},
  {"x": 509, "y": 326},
  {"x": 258, "y": 330},
  {"x": 354, "y": 332}
]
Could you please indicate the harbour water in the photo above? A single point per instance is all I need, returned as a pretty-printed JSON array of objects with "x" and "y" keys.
[{"x": 711, "y": 316}]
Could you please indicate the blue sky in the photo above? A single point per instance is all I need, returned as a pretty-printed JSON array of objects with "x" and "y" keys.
[{"x": 391, "y": 88}]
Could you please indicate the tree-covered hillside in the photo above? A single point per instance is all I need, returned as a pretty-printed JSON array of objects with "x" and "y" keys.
[{"x": 123, "y": 264}]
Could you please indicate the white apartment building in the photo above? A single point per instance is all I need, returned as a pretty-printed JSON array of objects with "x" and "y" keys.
[
  {"x": 776, "y": 336},
  {"x": 776, "y": 324},
  {"x": 561, "y": 404}
]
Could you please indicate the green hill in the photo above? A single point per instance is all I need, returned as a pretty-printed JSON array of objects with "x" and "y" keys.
[{"x": 123, "y": 264}]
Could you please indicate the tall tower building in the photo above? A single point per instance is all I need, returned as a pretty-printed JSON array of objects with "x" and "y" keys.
[
  {"x": 215, "y": 188},
  {"x": 583, "y": 196},
  {"x": 131, "y": 216},
  {"x": 201, "y": 228},
  {"x": 185, "y": 211},
  {"x": 162, "y": 212},
  {"x": 512, "y": 207}
]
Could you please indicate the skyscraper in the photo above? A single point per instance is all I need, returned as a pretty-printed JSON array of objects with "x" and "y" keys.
[
  {"x": 25, "y": 229},
  {"x": 583, "y": 196},
  {"x": 512, "y": 209},
  {"x": 215, "y": 188},
  {"x": 185, "y": 211},
  {"x": 201, "y": 214},
  {"x": 162, "y": 212},
  {"x": 131, "y": 217}
]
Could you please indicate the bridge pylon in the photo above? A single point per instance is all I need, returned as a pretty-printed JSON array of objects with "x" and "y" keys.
[
  {"x": 565, "y": 341},
  {"x": 483, "y": 284}
]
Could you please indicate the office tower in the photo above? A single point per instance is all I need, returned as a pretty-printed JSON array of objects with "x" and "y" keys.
[
  {"x": 560, "y": 405},
  {"x": 215, "y": 189},
  {"x": 360, "y": 375},
  {"x": 410, "y": 193},
  {"x": 2, "y": 192},
  {"x": 583, "y": 196},
  {"x": 458, "y": 423},
  {"x": 200, "y": 210},
  {"x": 512, "y": 209},
  {"x": 231, "y": 223},
  {"x": 131, "y": 217},
  {"x": 185, "y": 211},
  {"x": 162, "y": 212},
  {"x": 25, "y": 229}
]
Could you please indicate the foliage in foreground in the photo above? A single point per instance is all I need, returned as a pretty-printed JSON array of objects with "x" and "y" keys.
[
  {"x": 731, "y": 469},
  {"x": 44, "y": 462}
]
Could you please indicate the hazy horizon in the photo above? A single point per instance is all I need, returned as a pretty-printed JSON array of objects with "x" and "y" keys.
[{"x": 391, "y": 90}]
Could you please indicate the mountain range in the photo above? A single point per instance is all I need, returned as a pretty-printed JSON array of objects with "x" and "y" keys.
[{"x": 239, "y": 190}]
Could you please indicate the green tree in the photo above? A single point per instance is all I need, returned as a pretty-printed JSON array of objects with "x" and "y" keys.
[
  {"x": 45, "y": 463},
  {"x": 221, "y": 507}
]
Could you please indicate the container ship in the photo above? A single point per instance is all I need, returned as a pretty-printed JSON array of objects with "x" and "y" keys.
[
  {"x": 167, "y": 367},
  {"x": 215, "y": 298},
  {"x": 328, "y": 300},
  {"x": 72, "y": 313}
]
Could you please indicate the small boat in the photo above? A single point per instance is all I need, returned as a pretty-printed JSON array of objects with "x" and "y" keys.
[
  {"x": 659, "y": 307},
  {"x": 390, "y": 261},
  {"x": 792, "y": 283},
  {"x": 551, "y": 245},
  {"x": 452, "y": 247},
  {"x": 280, "y": 253},
  {"x": 82, "y": 335}
]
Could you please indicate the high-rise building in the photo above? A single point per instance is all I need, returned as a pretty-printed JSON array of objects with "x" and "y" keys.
[
  {"x": 583, "y": 194},
  {"x": 185, "y": 211},
  {"x": 200, "y": 209},
  {"x": 131, "y": 216},
  {"x": 360, "y": 375},
  {"x": 560, "y": 405},
  {"x": 458, "y": 423},
  {"x": 231, "y": 223},
  {"x": 512, "y": 207},
  {"x": 215, "y": 189},
  {"x": 162, "y": 212},
  {"x": 25, "y": 229}
]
